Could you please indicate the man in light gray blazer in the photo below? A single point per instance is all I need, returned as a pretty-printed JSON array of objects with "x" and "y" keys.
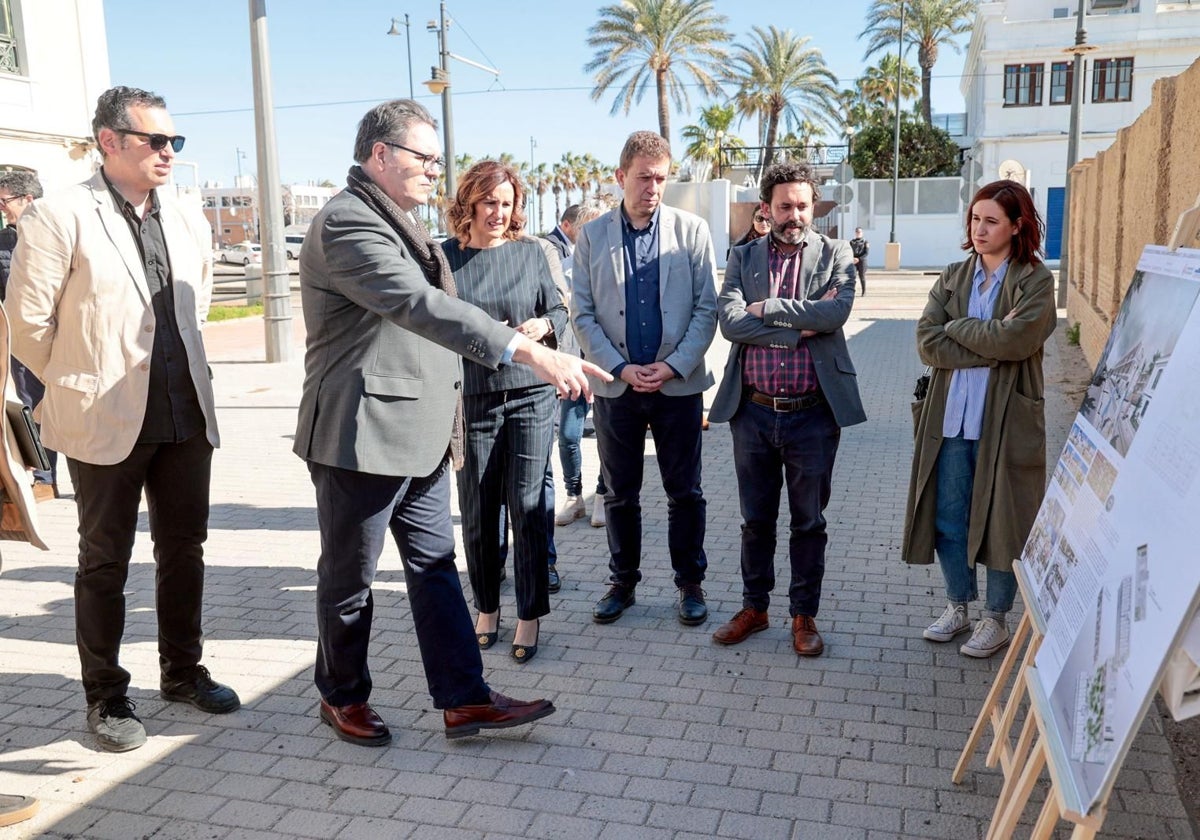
[
  {"x": 379, "y": 425},
  {"x": 789, "y": 388},
  {"x": 644, "y": 309}
]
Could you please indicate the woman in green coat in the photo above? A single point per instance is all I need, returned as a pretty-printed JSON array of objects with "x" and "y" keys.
[{"x": 979, "y": 461}]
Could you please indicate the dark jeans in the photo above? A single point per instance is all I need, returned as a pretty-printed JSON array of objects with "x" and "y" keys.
[
  {"x": 674, "y": 422},
  {"x": 31, "y": 390},
  {"x": 175, "y": 477},
  {"x": 507, "y": 452},
  {"x": 770, "y": 448},
  {"x": 861, "y": 270},
  {"x": 355, "y": 511}
]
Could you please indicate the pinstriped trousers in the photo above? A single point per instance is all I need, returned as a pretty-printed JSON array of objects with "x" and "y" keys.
[{"x": 508, "y": 436}]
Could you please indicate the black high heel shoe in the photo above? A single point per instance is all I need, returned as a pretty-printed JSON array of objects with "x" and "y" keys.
[
  {"x": 523, "y": 653},
  {"x": 486, "y": 640}
]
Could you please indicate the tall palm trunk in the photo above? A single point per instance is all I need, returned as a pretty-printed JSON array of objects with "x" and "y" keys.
[
  {"x": 926, "y": 58},
  {"x": 769, "y": 142},
  {"x": 664, "y": 112}
]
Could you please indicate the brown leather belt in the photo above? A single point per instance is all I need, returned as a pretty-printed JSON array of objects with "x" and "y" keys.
[{"x": 786, "y": 404}]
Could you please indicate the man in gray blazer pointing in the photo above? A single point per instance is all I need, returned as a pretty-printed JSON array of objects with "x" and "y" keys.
[
  {"x": 789, "y": 388},
  {"x": 379, "y": 425}
]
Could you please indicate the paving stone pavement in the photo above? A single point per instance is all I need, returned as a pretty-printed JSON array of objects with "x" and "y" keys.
[{"x": 659, "y": 733}]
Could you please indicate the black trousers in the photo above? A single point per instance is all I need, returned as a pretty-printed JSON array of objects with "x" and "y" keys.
[
  {"x": 674, "y": 422},
  {"x": 175, "y": 478},
  {"x": 355, "y": 511}
]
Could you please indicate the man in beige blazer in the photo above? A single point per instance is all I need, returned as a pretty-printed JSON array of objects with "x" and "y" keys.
[{"x": 110, "y": 283}]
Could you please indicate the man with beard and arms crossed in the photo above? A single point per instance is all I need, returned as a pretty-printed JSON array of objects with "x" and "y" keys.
[
  {"x": 380, "y": 423},
  {"x": 789, "y": 388},
  {"x": 644, "y": 308},
  {"x": 110, "y": 283}
]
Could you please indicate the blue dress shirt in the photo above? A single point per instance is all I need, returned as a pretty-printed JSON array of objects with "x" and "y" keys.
[
  {"x": 968, "y": 386},
  {"x": 643, "y": 316}
]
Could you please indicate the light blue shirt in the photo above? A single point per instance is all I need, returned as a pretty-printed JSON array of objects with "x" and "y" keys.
[{"x": 968, "y": 386}]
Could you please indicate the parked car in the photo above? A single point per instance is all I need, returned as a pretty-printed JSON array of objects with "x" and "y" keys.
[
  {"x": 293, "y": 242},
  {"x": 243, "y": 253}
]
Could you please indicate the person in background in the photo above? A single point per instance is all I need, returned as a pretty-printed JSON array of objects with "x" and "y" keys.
[
  {"x": 644, "y": 308},
  {"x": 979, "y": 459},
  {"x": 788, "y": 390},
  {"x": 18, "y": 190},
  {"x": 760, "y": 225},
  {"x": 573, "y": 413},
  {"x": 564, "y": 234},
  {"x": 110, "y": 284},
  {"x": 860, "y": 247},
  {"x": 509, "y": 412}
]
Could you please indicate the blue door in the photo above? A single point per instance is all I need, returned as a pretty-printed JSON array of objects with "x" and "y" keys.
[{"x": 1054, "y": 222}]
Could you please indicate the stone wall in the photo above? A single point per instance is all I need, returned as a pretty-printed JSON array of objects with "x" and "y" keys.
[{"x": 1129, "y": 196}]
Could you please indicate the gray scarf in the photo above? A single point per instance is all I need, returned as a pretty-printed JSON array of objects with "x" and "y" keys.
[{"x": 428, "y": 255}]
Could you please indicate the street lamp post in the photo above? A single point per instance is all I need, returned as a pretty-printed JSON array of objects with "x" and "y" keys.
[
  {"x": 395, "y": 30},
  {"x": 891, "y": 260},
  {"x": 1081, "y": 46},
  {"x": 440, "y": 83},
  {"x": 720, "y": 139},
  {"x": 532, "y": 189}
]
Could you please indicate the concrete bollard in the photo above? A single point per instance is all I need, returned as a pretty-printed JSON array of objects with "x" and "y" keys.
[{"x": 254, "y": 284}]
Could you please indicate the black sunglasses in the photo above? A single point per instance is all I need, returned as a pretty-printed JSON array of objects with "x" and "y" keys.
[{"x": 158, "y": 142}]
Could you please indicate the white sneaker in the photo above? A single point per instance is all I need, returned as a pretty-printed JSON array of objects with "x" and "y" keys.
[
  {"x": 989, "y": 636},
  {"x": 949, "y": 624},
  {"x": 573, "y": 509},
  {"x": 598, "y": 519}
]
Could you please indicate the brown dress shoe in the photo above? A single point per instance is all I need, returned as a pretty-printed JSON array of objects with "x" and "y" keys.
[
  {"x": 356, "y": 723},
  {"x": 747, "y": 620},
  {"x": 805, "y": 639},
  {"x": 501, "y": 713}
]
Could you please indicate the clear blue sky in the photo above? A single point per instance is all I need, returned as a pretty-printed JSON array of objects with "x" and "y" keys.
[{"x": 331, "y": 61}]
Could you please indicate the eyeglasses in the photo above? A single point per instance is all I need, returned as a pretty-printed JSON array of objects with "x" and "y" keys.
[
  {"x": 428, "y": 161},
  {"x": 158, "y": 142},
  {"x": 760, "y": 219},
  {"x": 4, "y": 201}
]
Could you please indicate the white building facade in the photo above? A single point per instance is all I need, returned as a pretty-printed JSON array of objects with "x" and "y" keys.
[
  {"x": 1017, "y": 75},
  {"x": 53, "y": 68}
]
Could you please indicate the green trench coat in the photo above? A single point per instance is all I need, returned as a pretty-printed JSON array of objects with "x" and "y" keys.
[{"x": 1010, "y": 475}]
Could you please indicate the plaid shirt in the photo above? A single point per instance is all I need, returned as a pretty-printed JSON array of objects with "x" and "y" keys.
[{"x": 769, "y": 370}]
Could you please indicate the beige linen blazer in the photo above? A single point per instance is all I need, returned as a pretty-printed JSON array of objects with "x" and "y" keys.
[{"x": 83, "y": 322}]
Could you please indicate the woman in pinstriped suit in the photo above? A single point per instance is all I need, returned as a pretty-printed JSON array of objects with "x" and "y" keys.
[{"x": 508, "y": 413}]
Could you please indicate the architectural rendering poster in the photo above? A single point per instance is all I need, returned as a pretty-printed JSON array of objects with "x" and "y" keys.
[{"x": 1110, "y": 563}]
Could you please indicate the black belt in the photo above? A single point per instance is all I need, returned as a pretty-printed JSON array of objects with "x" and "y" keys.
[{"x": 786, "y": 404}]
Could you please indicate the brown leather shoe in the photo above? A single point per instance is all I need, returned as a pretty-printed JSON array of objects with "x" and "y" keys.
[
  {"x": 806, "y": 641},
  {"x": 501, "y": 713},
  {"x": 356, "y": 723},
  {"x": 747, "y": 620},
  {"x": 43, "y": 492}
]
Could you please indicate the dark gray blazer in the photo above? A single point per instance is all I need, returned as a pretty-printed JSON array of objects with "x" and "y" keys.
[
  {"x": 382, "y": 372},
  {"x": 827, "y": 263}
]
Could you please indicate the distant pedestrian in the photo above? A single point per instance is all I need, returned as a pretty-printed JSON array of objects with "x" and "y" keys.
[
  {"x": 644, "y": 307},
  {"x": 789, "y": 388},
  {"x": 110, "y": 284},
  {"x": 860, "y": 248},
  {"x": 18, "y": 190},
  {"x": 979, "y": 463},
  {"x": 760, "y": 225}
]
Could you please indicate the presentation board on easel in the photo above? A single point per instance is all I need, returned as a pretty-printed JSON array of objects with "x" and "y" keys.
[{"x": 1110, "y": 565}]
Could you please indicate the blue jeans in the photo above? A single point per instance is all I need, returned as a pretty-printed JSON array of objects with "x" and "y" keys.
[
  {"x": 570, "y": 431},
  {"x": 770, "y": 448},
  {"x": 955, "y": 480}
]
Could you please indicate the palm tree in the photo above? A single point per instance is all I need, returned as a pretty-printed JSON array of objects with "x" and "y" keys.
[
  {"x": 878, "y": 83},
  {"x": 710, "y": 135},
  {"x": 637, "y": 41},
  {"x": 777, "y": 76},
  {"x": 560, "y": 179},
  {"x": 539, "y": 183},
  {"x": 928, "y": 24}
]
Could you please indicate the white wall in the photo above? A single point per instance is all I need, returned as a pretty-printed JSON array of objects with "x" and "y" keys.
[
  {"x": 46, "y": 112},
  {"x": 709, "y": 200}
]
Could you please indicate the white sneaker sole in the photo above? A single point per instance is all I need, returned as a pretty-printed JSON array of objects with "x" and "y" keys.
[
  {"x": 934, "y": 636},
  {"x": 984, "y": 653}
]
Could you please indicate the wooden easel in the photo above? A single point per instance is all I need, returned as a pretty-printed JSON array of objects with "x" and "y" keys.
[{"x": 1022, "y": 762}]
